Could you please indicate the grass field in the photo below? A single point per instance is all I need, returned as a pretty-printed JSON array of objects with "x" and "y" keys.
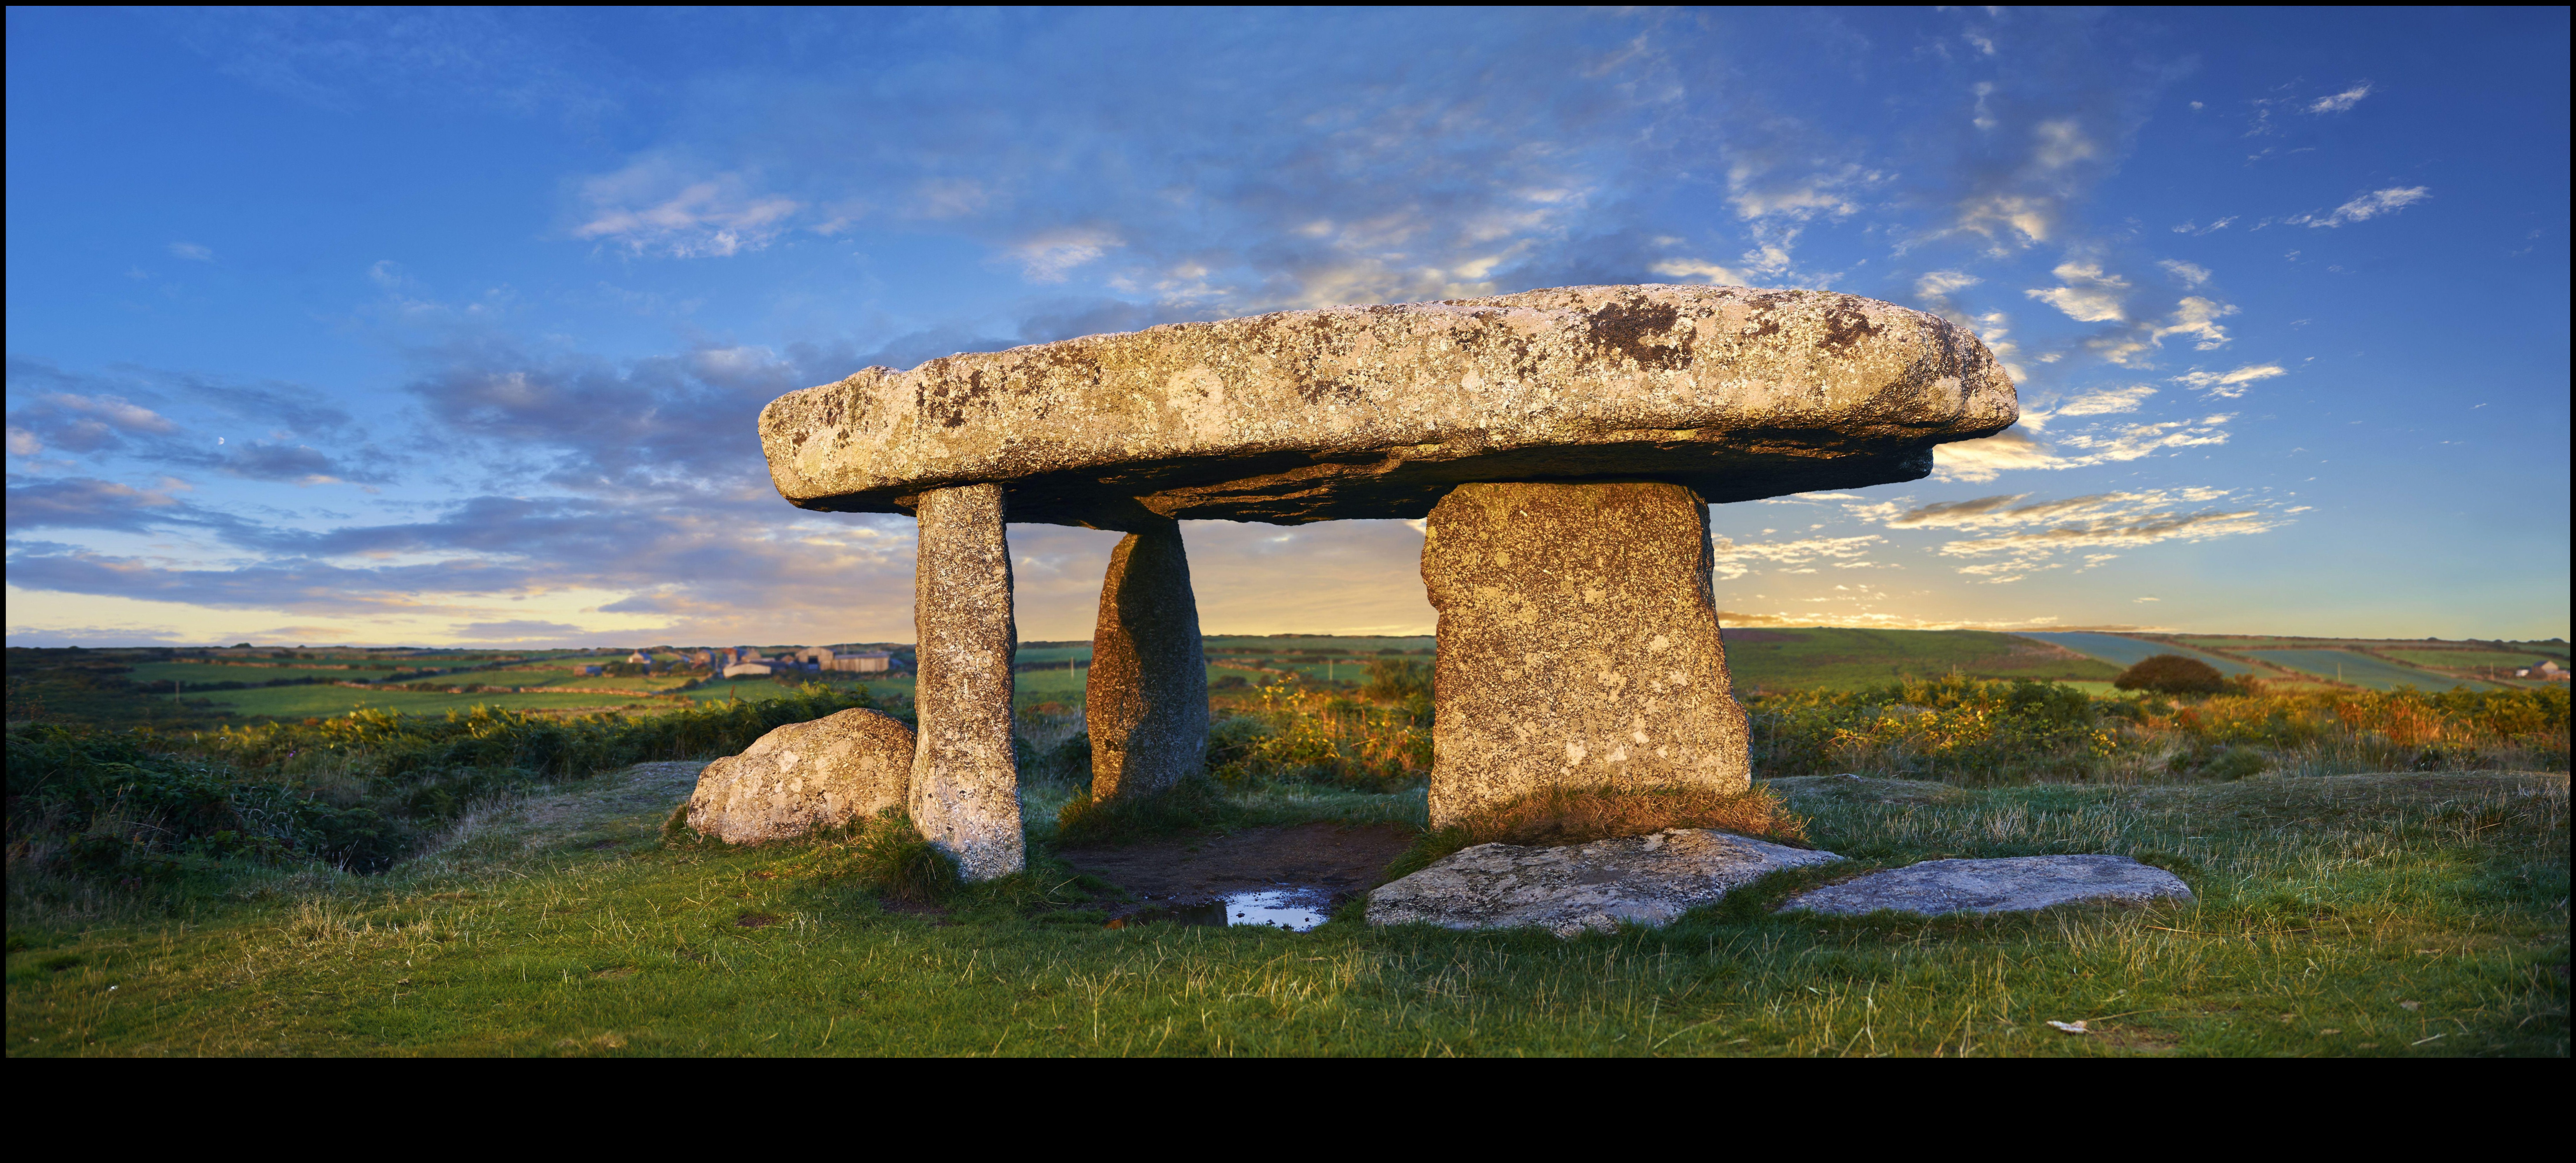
[
  {"x": 1846, "y": 659},
  {"x": 297, "y": 702},
  {"x": 161, "y": 674},
  {"x": 2124, "y": 652},
  {"x": 2357, "y": 669},
  {"x": 2391, "y": 915}
]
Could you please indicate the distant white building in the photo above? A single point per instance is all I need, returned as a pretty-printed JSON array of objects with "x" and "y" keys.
[
  {"x": 741, "y": 669},
  {"x": 864, "y": 662},
  {"x": 640, "y": 656},
  {"x": 2547, "y": 668}
]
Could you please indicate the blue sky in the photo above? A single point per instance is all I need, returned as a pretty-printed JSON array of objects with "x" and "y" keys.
[{"x": 451, "y": 327}]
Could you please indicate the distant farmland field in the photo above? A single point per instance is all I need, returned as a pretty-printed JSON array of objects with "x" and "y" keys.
[
  {"x": 1847, "y": 659},
  {"x": 2125, "y": 652},
  {"x": 303, "y": 702},
  {"x": 2362, "y": 670}
]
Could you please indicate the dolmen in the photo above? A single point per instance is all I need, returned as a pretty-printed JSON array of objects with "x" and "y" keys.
[{"x": 1563, "y": 444}]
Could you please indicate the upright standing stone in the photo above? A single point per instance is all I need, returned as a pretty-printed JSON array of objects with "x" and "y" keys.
[
  {"x": 965, "y": 785},
  {"x": 1146, "y": 702},
  {"x": 1578, "y": 645}
]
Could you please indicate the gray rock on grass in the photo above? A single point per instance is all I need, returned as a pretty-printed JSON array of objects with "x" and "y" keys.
[
  {"x": 2013, "y": 884},
  {"x": 1638, "y": 880},
  {"x": 804, "y": 776}
]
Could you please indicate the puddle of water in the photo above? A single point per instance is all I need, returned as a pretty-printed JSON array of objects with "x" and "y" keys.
[
  {"x": 1293, "y": 909},
  {"x": 1286, "y": 907}
]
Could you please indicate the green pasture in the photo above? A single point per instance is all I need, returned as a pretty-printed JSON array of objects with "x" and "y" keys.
[
  {"x": 2122, "y": 651},
  {"x": 2362, "y": 670},
  {"x": 161, "y": 674},
  {"x": 1849, "y": 659},
  {"x": 2465, "y": 659},
  {"x": 2360, "y": 916},
  {"x": 299, "y": 702},
  {"x": 1251, "y": 645}
]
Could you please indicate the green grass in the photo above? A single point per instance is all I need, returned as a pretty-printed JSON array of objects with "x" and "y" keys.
[
  {"x": 2362, "y": 670},
  {"x": 162, "y": 673},
  {"x": 2413, "y": 915},
  {"x": 290, "y": 702},
  {"x": 1847, "y": 659},
  {"x": 2122, "y": 651},
  {"x": 2464, "y": 659}
]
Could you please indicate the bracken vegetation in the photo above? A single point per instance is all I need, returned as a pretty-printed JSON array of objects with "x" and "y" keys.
[
  {"x": 1987, "y": 733},
  {"x": 357, "y": 791}
]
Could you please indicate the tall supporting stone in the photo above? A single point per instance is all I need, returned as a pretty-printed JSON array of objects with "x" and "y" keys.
[
  {"x": 1146, "y": 701},
  {"x": 1578, "y": 645},
  {"x": 965, "y": 785}
]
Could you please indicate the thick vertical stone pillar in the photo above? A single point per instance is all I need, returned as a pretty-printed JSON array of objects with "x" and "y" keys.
[
  {"x": 1578, "y": 645},
  {"x": 1146, "y": 701},
  {"x": 965, "y": 785}
]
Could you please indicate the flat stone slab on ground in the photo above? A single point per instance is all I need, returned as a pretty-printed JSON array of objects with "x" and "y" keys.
[
  {"x": 1637, "y": 880},
  {"x": 2009, "y": 885}
]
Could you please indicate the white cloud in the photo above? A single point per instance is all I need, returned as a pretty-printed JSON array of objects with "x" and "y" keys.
[
  {"x": 2030, "y": 217},
  {"x": 2197, "y": 317},
  {"x": 1732, "y": 558},
  {"x": 652, "y": 206},
  {"x": 1691, "y": 268},
  {"x": 2017, "y": 555},
  {"x": 2339, "y": 102},
  {"x": 1939, "y": 284},
  {"x": 2213, "y": 228},
  {"x": 191, "y": 252},
  {"x": 2013, "y": 449},
  {"x": 2191, "y": 274},
  {"x": 2107, "y": 401},
  {"x": 1047, "y": 258},
  {"x": 2229, "y": 385},
  {"x": 2062, "y": 143},
  {"x": 1755, "y": 194},
  {"x": 2366, "y": 207},
  {"x": 2090, "y": 296}
]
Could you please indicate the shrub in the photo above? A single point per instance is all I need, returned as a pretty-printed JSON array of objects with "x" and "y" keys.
[
  {"x": 2172, "y": 674},
  {"x": 1397, "y": 678}
]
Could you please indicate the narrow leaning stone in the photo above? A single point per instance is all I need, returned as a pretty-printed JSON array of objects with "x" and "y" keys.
[
  {"x": 1146, "y": 701},
  {"x": 965, "y": 785},
  {"x": 1578, "y": 645}
]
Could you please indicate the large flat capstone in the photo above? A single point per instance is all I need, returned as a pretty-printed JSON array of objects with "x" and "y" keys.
[
  {"x": 1379, "y": 411},
  {"x": 1636, "y": 880},
  {"x": 2007, "y": 885},
  {"x": 804, "y": 776}
]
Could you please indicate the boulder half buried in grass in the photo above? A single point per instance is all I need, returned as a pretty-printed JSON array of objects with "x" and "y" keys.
[
  {"x": 804, "y": 776},
  {"x": 2009, "y": 885},
  {"x": 1633, "y": 880}
]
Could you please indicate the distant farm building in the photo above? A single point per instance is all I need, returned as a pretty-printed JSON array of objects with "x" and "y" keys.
[
  {"x": 742, "y": 669},
  {"x": 2546, "y": 668},
  {"x": 589, "y": 671},
  {"x": 864, "y": 662}
]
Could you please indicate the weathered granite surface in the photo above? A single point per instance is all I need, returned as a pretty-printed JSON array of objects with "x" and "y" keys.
[
  {"x": 805, "y": 776},
  {"x": 1146, "y": 699},
  {"x": 1578, "y": 645},
  {"x": 1378, "y": 411},
  {"x": 2012, "y": 884},
  {"x": 965, "y": 783},
  {"x": 1639, "y": 880}
]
